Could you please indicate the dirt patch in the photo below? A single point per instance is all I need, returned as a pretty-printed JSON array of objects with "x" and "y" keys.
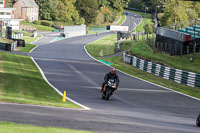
[{"x": 101, "y": 53}]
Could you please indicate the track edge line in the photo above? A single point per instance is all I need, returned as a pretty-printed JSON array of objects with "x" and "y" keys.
[{"x": 44, "y": 77}]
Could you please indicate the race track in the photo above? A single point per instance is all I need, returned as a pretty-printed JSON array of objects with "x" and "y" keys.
[{"x": 137, "y": 106}]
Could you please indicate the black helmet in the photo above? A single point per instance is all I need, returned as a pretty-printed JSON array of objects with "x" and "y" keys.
[{"x": 113, "y": 70}]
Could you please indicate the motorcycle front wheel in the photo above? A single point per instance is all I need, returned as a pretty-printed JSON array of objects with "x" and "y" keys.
[
  {"x": 103, "y": 96},
  {"x": 108, "y": 93}
]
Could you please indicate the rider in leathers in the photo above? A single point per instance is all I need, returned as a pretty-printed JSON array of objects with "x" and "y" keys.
[{"x": 111, "y": 75}]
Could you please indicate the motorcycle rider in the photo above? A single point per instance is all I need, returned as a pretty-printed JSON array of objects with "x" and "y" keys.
[{"x": 111, "y": 75}]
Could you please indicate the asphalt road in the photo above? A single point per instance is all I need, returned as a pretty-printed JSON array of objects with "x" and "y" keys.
[{"x": 137, "y": 106}]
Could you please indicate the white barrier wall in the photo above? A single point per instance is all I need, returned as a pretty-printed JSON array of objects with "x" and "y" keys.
[{"x": 71, "y": 31}]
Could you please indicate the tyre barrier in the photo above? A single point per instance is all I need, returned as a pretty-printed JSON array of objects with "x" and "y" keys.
[
  {"x": 20, "y": 42},
  {"x": 182, "y": 77},
  {"x": 8, "y": 47}
]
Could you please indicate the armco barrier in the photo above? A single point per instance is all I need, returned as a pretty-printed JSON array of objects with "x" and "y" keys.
[{"x": 179, "y": 76}]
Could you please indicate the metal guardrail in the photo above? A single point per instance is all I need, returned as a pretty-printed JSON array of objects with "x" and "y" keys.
[{"x": 179, "y": 76}]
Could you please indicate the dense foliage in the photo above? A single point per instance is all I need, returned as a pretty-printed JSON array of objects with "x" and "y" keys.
[
  {"x": 171, "y": 11},
  {"x": 80, "y": 11}
]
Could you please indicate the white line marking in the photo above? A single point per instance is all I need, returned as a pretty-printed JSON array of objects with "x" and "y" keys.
[
  {"x": 142, "y": 90},
  {"x": 130, "y": 89},
  {"x": 37, "y": 39},
  {"x": 42, "y": 73},
  {"x": 33, "y": 49},
  {"x": 86, "y": 108}
]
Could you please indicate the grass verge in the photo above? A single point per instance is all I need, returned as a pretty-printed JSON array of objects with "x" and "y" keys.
[
  {"x": 21, "y": 82},
  {"x": 102, "y": 47},
  {"x": 142, "y": 50},
  {"x": 39, "y": 27},
  {"x": 122, "y": 19},
  {"x": 6, "y": 127},
  {"x": 4, "y": 40}
]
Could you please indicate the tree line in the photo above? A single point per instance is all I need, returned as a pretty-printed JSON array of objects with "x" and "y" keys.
[
  {"x": 80, "y": 11},
  {"x": 170, "y": 11}
]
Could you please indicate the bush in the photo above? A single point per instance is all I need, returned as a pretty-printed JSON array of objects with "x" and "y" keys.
[
  {"x": 38, "y": 22},
  {"x": 58, "y": 24},
  {"x": 27, "y": 33},
  {"x": 47, "y": 23}
]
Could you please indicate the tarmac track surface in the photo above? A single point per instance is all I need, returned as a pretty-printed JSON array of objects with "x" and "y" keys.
[{"x": 137, "y": 106}]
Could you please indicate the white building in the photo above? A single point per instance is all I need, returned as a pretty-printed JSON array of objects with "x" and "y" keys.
[{"x": 7, "y": 17}]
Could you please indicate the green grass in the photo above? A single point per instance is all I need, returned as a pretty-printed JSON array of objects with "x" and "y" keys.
[
  {"x": 92, "y": 32},
  {"x": 4, "y": 40},
  {"x": 146, "y": 20},
  {"x": 29, "y": 46},
  {"x": 26, "y": 49},
  {"x": 27, "y": 33},
  {"x": 122, "y": 19},
  {"x": 7, "y": 127},
  {"x": 39, "y": 27},
  {"x": 30, "y": 39},
  {"x": 21, "y": 82},
  {"x": 142, "y": 50},
  {"x": 105, "y": 46}
]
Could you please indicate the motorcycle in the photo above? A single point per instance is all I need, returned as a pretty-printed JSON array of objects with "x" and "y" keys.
[
  {"x": 198, "y": 121},
  {"x": 111, "y": 86}
]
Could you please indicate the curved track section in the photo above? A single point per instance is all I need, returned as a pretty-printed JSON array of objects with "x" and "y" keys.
[{"x": 137, "y": 106}]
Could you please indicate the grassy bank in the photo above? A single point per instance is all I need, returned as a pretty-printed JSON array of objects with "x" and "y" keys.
[
  {"x": 21, "y": 82},
  {"x": 122, "y": 19},
  {"x": 4, "y": 40},
  {"x": 138, "y": 49},
  {"x": 6, "y": 127},
  {"x": 142, "y": 50},
  {"x": 39, "y": 27},
  {"x": 102, "y": 47}
]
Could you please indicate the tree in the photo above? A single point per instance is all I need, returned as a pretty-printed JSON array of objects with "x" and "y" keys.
[
  {"x": 196, "y": 6},
  {"x": 102, "y": 3},
  {"x": 47, "y": 9},
  {"x": 148, "y": 28},
  {"x": 88, "y": 10},
  {"x": 174, "y": 12},
  {"x": 152, "y": 4}
]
